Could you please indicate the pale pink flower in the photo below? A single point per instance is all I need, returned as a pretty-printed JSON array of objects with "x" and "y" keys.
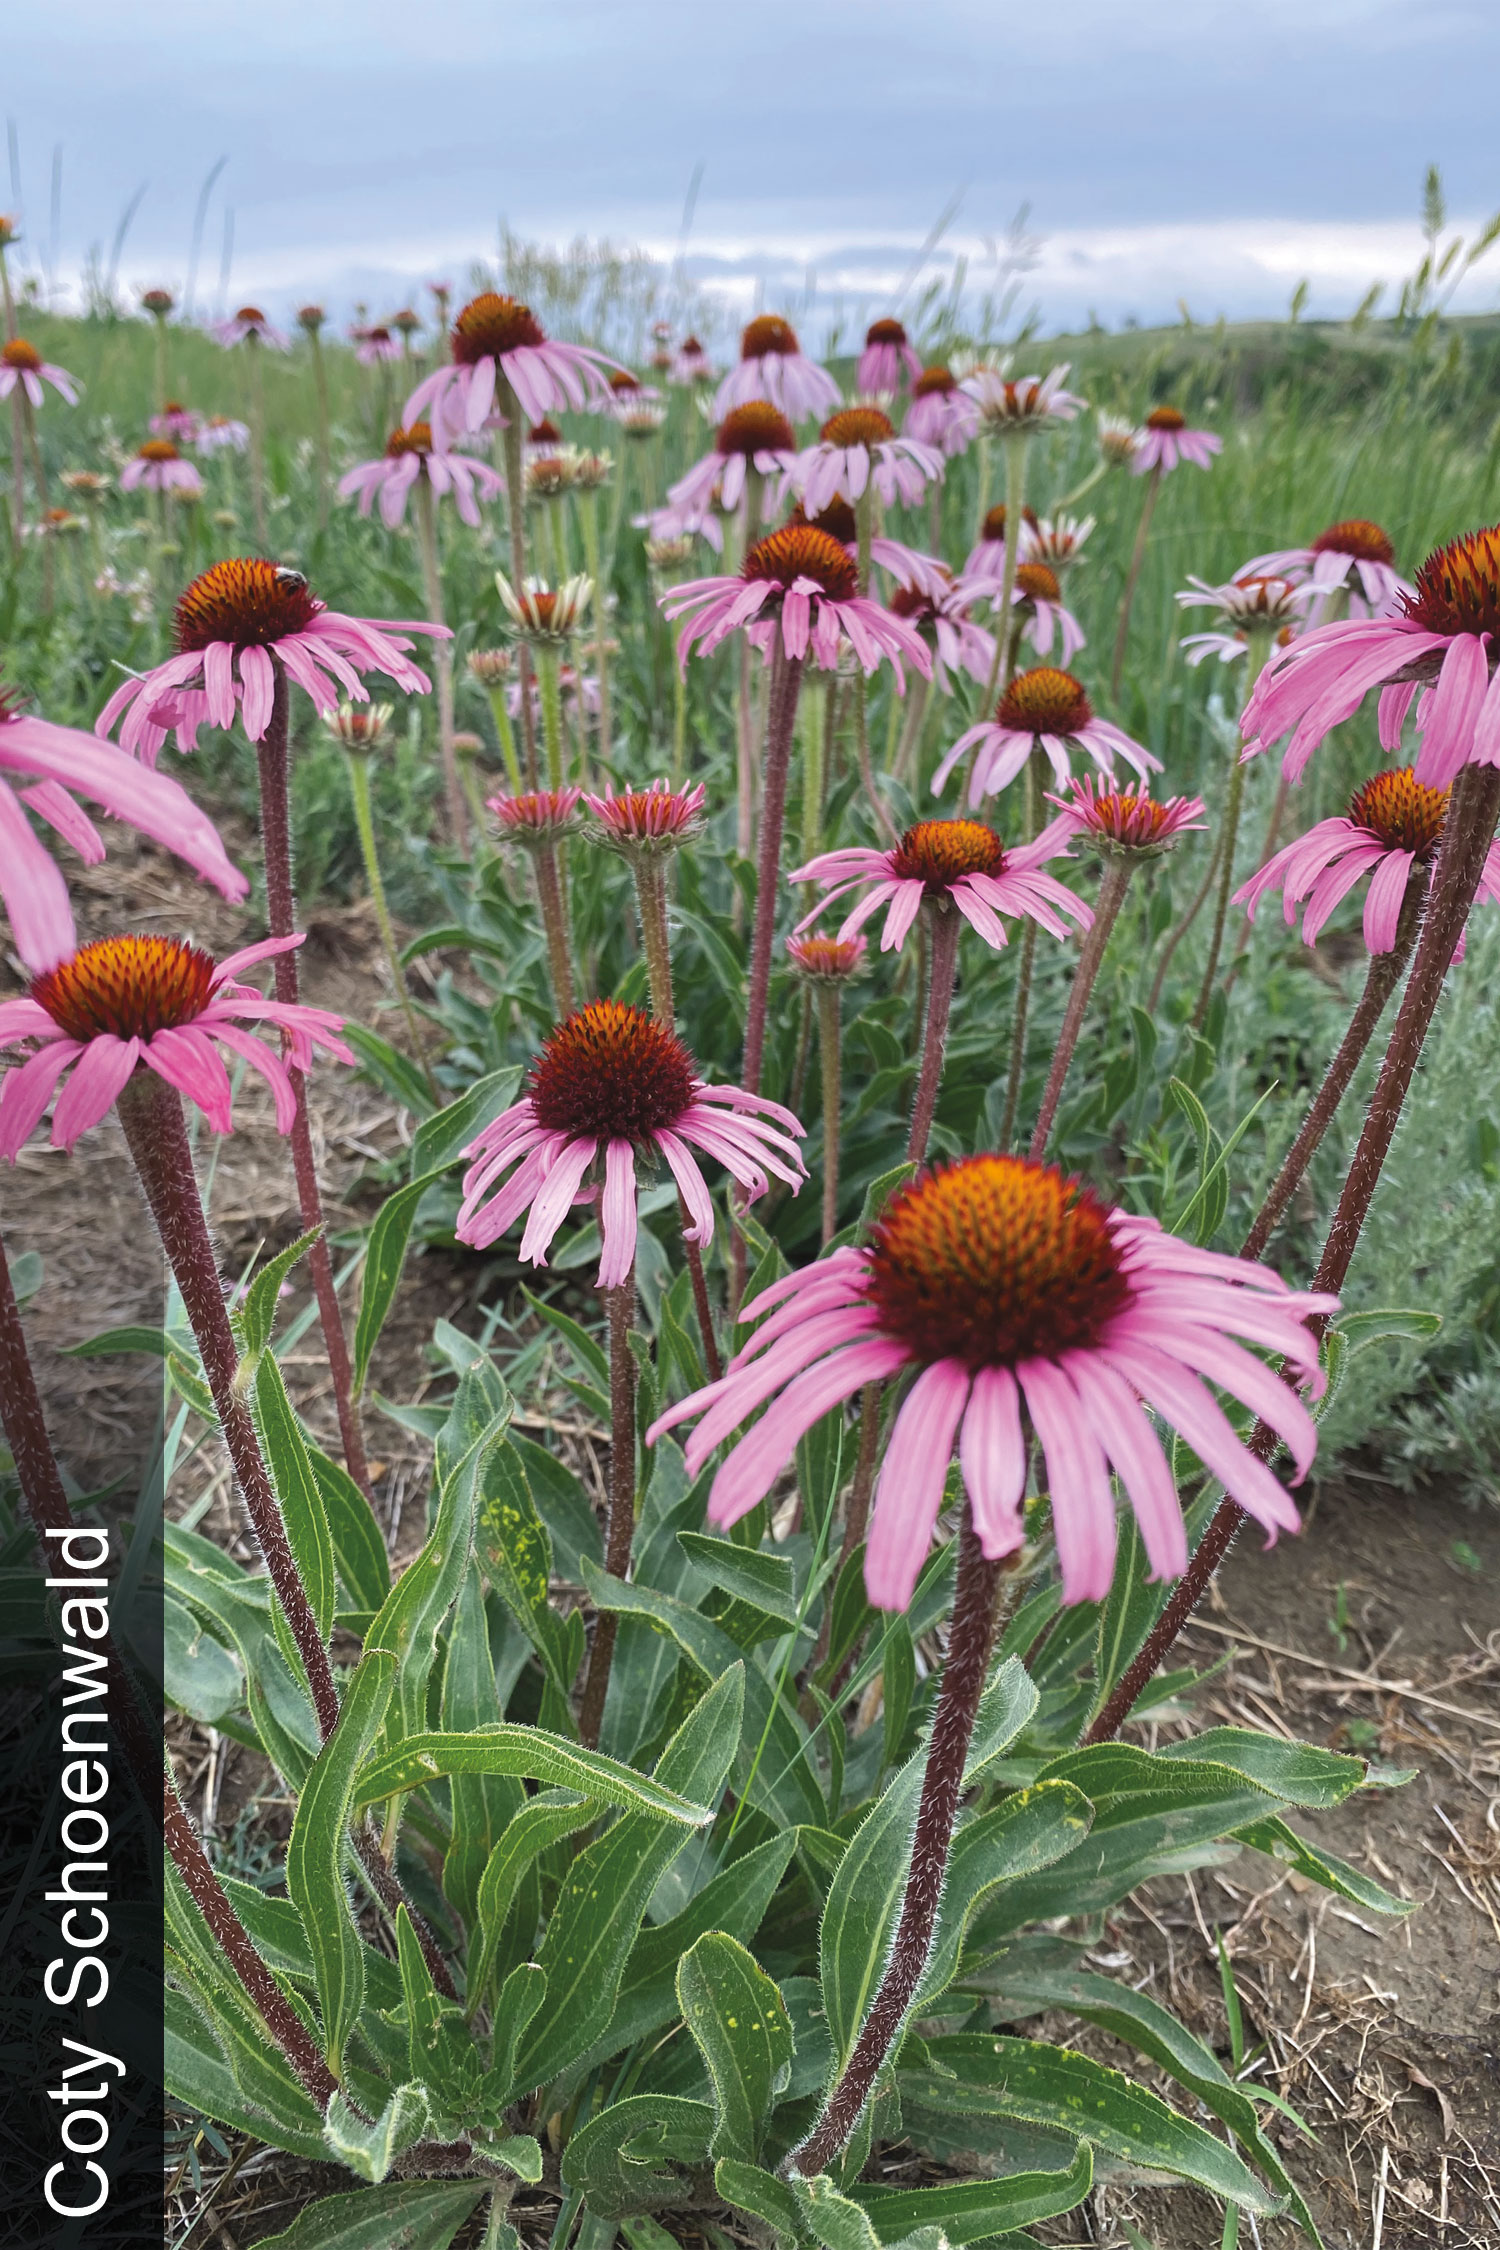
[
  {"x": 1394, "y": 824},
  {"x": 124, "y": 1004},
  {"x": 249, "y": 324},
  {"x": 941, "y": 414},
  {"x": 987, "y": 556},
  {"x": 495, "y": 336},
  {"x": 1250, "y": 602},
  {"x": 941, "y": 615},
  {"x": 1021, "y": 1305},
  {"x": 886, "y": 359},
  {"x": 159, "y": 467},
  {"x": 1165, "y": 439},
  {"x": 22, "y": 363},
  {"x": 407, "y": 459},
  {"x": 1442, "y": 644},
  {"x": 179, "y": 423},
  {"x": 373, "y": 346},
  {"x": 802, "y": 583},
  {"x": 691, "y": 364},
  {"x": 249, "y": 616},
  {"x": 857, "y": 449},
  {"x": 44, "y": 766},
  {"x": 221, "y": 433},
  {"x": 1044, "y": 709},
  {"x": 1037, "y": 593},
  {"x": 961, "y": 860},
  {"x": 1055, "y": 539},
  {"x": 755, "y": 436},
  {"x": 1353, "y": 556},
  {"x": 613, "y": 1084},
  {"x": 772, "y": 365},
  {"x": 1026, "y": 406}
]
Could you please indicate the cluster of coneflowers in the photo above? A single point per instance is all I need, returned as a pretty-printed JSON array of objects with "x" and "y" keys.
[{"x": 998, "y": 1311}]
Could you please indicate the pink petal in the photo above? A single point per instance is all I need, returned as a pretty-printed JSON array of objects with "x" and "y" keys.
[
  {"x": 909, "y": 1492},
  {"x": 992, "y": 1456},
  {"x": 1077, "y": 1479},
  {"x": 101, "y": 1070},
  {"x": 617, "y": 1215},
  {"x": 33, "y": 890},
  {"x": 759, "y": 1458},
  {"x": 1120, "y": 1420},
  {"x": 553, "y": 1203},
  {"x": 26, "y": 1090}
]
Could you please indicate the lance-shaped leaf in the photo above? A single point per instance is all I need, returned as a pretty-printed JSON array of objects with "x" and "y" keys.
[
  {"x": 1280, "y": 1841},
  {"x": 627, "y": 2158},
  {"x": 532, "y": 1755},
  {"x": 762, "y": 2194},
  {"x": 410, "y": 1618},
  {"x": 976, "y": 2073},
  {"x": 483, "y": 1805},
  {"x": 738, "y": 2019},
  {"x": 973, "y": 2210},
  {"x": 315, "y": 1854},
  {"x": 197, "y": 2073},
  {"x": 594, "y": 1924},
  {"x": 297, "y": 1490},
  {"x": 369, "y": 2147},
  {"x": 515, "y": 1554},
  {"x": 745, "y": 1573},
  {"x": 542, "y": 1821},
  {"x": 358, "y": 1542},
  {"x": 417, "y": 2214},
  {"x": 254, "y": 1318}
]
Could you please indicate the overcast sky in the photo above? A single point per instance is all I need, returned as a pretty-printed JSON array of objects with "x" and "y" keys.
[{"x": 1167, "y": 149}]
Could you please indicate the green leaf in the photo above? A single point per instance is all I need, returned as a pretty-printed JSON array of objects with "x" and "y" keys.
[
  {"x": 417, "y": 1604},
  {"x": 198, "y": 2074},
  {"x": 898, "y": 1676},
  {"x": 831, "y": 2218},
  {"x": 200, "y": 1675},
  {"x": 440, "y": 2055},
  {"x": 385, "y": 1255},
  {"x": 371, "y": 2148},
  {"x": 626, "y": 2159},
  {"x": 564, "y": 1507},
  {"x": 973, "y": 2210},
  {"x": 531, "y": 1754},
  {"x": 1361, "y": 1329},
  {"x": 542, "y": 1821},
  {"x": 594, "y": 1924},
  {"x": 981, "y": 2074},
  {"x": 760, "y": 2193},
  {"x": 1299, "y": 1772},
  {"x": 26, "y": 1275},
  {"x": 315, "y": 1854},
  {"x": 483, "y": 1805},
  {"x": 297, "y": 1490},
  {"x": 1142, "y": 2023},
  {"x": 589, "y": 1354},
  {"x": 738, "y": 2019},
  {"x": 745, "y": 1573},
  {"x": 1280, "y": 1841},
  {"x": 1007, "y": 1705},
  {"x": 358, "y": 1543},
  {"x": 438, "y": 1140},
  {"x": 521, "y": 1995},
  {"x": 416, "y": 2214},
  {"x": 879, "y": 1192},
  {"x": 255, "y": 1317},
  {"x": 516, "y": 1557},
  {"x": 391, "y": 1071}
]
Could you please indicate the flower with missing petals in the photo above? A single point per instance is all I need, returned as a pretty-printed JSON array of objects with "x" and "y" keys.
[
  {"x": 1037, "y": 596},
  {"x": 360, "y": 727},
  {"x": 1047, "y": 710},
  {"x": 613, "y": 1085},
  {"x": 1393, "y": 827},
  {"x": 255, "y": 619},
  {"x": 1128, "y": 823},
  {"x": 123, "y": 1004},
  {"x": 1027, "y": 406},
  {"x": 408, "y": 461},
  {"x": 803, "y": 584},
  {"x": 961, "y": 862},
  {"x": 647, "y": 822},
  {"x": 942, "y": 618},
  {"x": 886, "y": 360},
  {"x": 772, "y": 365},
  {"x": 249, "y": 326},
  {"x": 1056, "y": 540},
  {"x": 159, "y": 467},
  {"x": 1166, "y": 439},
  {"x": 21, "y": 363},
  {"x": 1253, "y": 602},
  {"x": 1023, "y": 1307},
  {"x": 495, "y": 338}
]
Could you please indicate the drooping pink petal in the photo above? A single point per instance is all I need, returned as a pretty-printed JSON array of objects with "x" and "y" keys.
[
  {"x": 1077, "y": 1479},
  {"x": 26, "y": 1090},
  {"x": 1119, "y": 1421},
  {"x": 909, "y": 1491},
  {"x": 34, "y": 893},
  {"x": 617, "y": 1215},
  {"x": 759, "y": 1458},
  {"x": 101, "y": 1070},
  {"x": 558, "y": 1190},
  {"x": 992, "y": 1456}
]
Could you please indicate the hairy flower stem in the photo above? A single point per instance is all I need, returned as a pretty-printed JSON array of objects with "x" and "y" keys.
[
  {"x": 156, "y": 1136},
  {"x": 253, "y": 349},
  {"x": 1229, "y": 836},
  {"x": 276, "y": 845},
  {"x": 1472, "y": 815},
  {"x": 549, "y": 679},
  {"x": 943, "y": 923},
  {"x": 971, "y": 1637},
  {"x": 589, "y": 516},
  {"x": 1118, "y": 869},
  {"x": 555, "y": 926},
  {"x": 786, "y": 679},
  {"x": 1381, "y": 979},
  {"x": 442, "y": 656},
  {"x": 358, "y": 763},
  {"x": 831, "y": 1066},
  {"x": 288, "y": 2032},
  {"x": 1132, "y": 579},
  {"x": 744, "y": 705},
  {"x": 651, "y": 899},
  {"x": 505, "y": 735},
  {"x": 515, "y": 512},
  {"x": 1259, "y": 649},
  {"x": 1028, "y": 959},
  {"x": 621, "y": 1527}
]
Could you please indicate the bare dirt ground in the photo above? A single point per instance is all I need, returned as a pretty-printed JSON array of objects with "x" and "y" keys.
[{"x": 1377, "y": 1630}]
